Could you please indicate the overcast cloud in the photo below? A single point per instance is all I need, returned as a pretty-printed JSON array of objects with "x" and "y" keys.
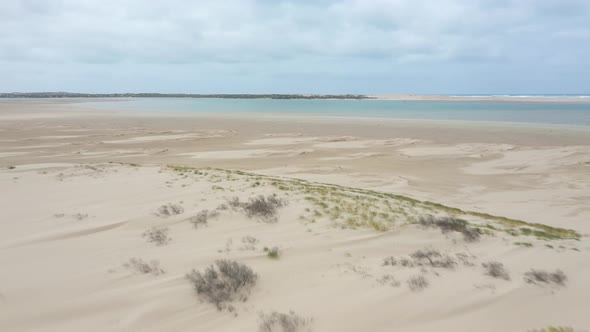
[{"x": 323, "y": 46}]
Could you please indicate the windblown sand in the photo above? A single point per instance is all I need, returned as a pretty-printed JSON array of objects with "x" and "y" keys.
[{"x": 75, "y": 209}]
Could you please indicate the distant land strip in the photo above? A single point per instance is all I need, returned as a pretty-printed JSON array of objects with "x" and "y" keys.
[{"x": 175, "y": 95}]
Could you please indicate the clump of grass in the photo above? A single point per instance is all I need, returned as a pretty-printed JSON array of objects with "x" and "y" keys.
[
  {"x": 451, "y": 224},
  {"x": 202, "y": 218},
  {"x": 168, "y": 210},
  {"x": 280, "y": 322},
  {"x": 496, "y": 270},
  {"x": 544, "y": 277},
  {"x": 139, "y": 265},
  {"x": 523, "y": 244},
  {"x": 157, "y": 235},
  {"x": 417, "y": 283},
  {"x": 223, "y": 282},
  {"x": 264, "y": 208},
  {"x": 273, "y": 252}
]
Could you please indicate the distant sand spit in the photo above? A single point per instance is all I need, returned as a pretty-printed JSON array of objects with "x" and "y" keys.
[{"x": 512, "y": 99}]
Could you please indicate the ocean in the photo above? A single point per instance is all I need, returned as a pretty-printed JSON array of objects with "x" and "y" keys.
[{"x": 517, "y": 112}]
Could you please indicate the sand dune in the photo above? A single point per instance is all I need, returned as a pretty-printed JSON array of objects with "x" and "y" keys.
[{"x": 324, "y": 262}]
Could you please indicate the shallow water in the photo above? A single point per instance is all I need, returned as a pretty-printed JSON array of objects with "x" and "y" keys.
[{"x": 521, "y": 112}]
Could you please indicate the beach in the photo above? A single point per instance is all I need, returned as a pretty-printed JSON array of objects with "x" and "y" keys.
[{"x": 83, "y": 188}]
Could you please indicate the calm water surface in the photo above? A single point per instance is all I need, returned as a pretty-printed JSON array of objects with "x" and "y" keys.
[{"x": 546, "y": 113}]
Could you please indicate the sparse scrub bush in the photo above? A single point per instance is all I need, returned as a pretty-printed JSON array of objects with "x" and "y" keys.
[
  {"x": 264, "y": 208},
  {"x": 405, "y": 262},
  {"x": 544, "y": 277},
  {"x": 450, "y": 224},
  {"x": 234, "y": 203},
  {"x": 139, "y": 265},
  {"x": 157, "y": 235},
  {"x": 496, "y": 270},
  {"x": 223, "y": 282},
  {"x": 249, "y": 242},
  {"x": 273, "y": 253},
  {"x": 280, "y": 322},
  {"x": 554, "y": 329},
  {"x": 389, "y": 261},
  {"x": 390, "y": 280},
  {"x": 465, "y": 259},
  {"x": 202, "y": 218},
  {"x": 80, "y": 216},
  {"x": 417, "y": 283},
  {"x": 471, "y": 234},
  {"x": 433, "y": 258},
  {"x": 170, "y": 210}
]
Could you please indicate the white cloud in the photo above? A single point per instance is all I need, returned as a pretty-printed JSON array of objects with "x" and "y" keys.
[{"x": 278, "y": 38}]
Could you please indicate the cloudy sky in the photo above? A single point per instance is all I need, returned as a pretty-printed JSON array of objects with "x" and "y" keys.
[{"x": 305, "y": 46}]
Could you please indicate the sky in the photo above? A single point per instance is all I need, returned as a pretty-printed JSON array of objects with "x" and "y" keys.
[{"x": 306, "y": 46}]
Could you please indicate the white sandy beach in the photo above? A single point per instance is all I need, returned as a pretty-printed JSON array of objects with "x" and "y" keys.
[{"x": 80, "y": 186}]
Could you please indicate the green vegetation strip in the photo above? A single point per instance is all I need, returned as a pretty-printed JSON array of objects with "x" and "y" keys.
[{"x": 515, "y": 227}]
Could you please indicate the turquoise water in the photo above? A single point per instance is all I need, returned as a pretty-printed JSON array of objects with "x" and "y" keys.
[{"x": 546, "y": 113}]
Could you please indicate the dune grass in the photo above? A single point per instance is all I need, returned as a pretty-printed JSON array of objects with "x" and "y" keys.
[{"x": 353, "y": 208}]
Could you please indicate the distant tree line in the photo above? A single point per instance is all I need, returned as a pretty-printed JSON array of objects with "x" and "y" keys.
[{"x": 174, "y": 95}]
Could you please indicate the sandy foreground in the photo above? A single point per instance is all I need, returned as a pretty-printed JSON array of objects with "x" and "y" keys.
[{"x": 84, "y": 191}]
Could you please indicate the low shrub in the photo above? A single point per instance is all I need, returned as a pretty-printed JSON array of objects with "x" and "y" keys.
[
  {"x": 249, "y": 242},
  {"x": 544, "y": 277},
  {"x": 202, "y": 218},
  {"x": 280, "y": 322},
  {"x": 417, "y": 283},
  {"x": 433, "y": 258},
  {"x": 390, "y": 280},
  {"x": 496, "y": 270},
  {"x": 139, "y": 265},
  {"x": 157, "y": 235},
  {"x": 554, "y": 329},
  {"x": 170, "y": 210},
  {"x": 389, "y": 261},
  {"x": 450, "y": 224},
  {"x": 264, "y": 208},
  {"x": 234, "y": 203},
  {"x": 273, "y": 253},
  {"x": 223, "y": 282}
]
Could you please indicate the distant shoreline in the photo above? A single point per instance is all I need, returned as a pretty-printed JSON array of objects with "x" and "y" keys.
[
  {"x": 175, "y": 95},
  {"x": 466, "y": 98},
  {"x": 574, "y": 99}
]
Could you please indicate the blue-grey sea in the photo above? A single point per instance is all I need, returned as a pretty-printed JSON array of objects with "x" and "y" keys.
[{"x": 518, "y": 112}]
